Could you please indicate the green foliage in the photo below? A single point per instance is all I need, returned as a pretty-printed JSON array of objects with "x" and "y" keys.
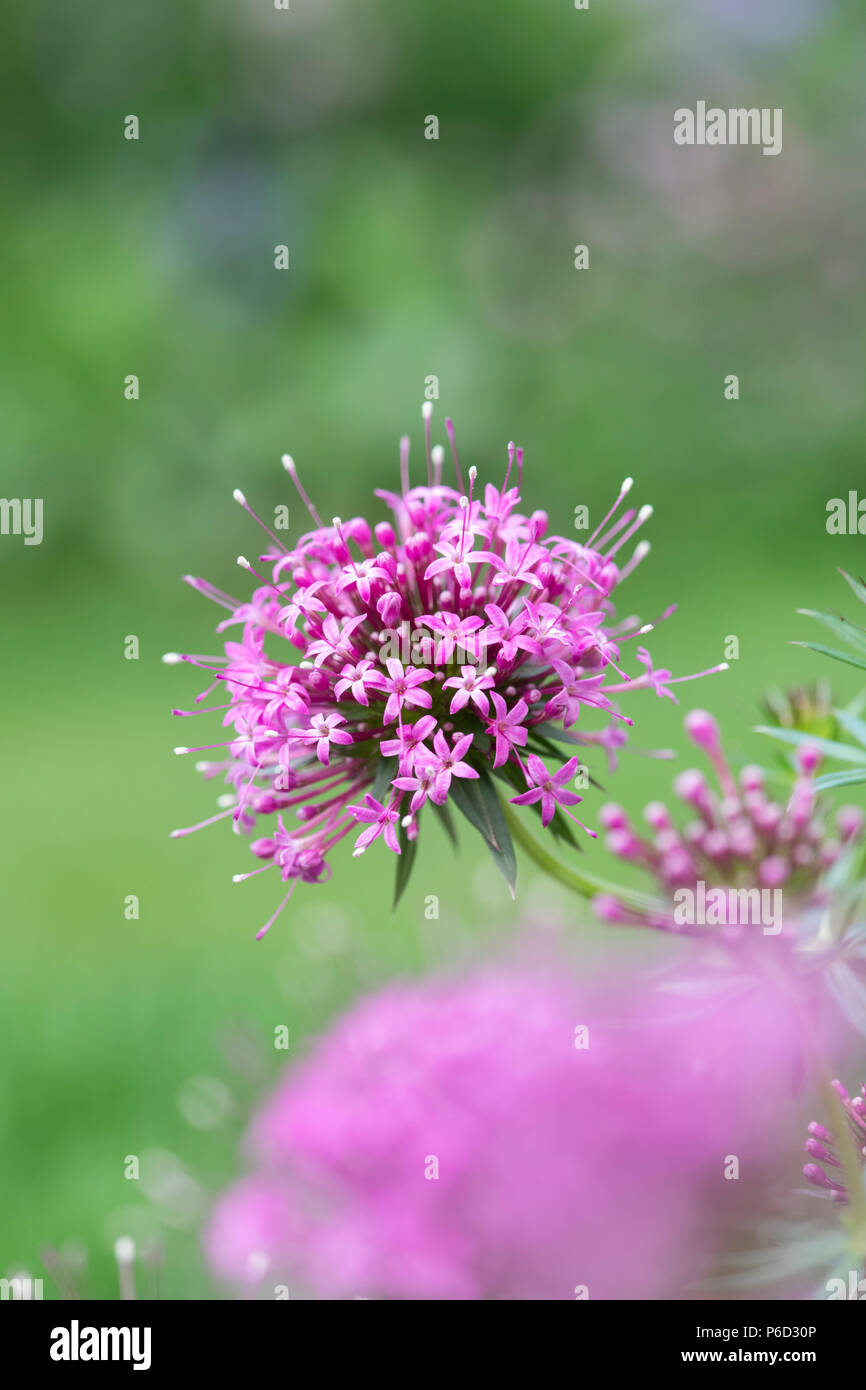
[{"x": 848, "y": 719}]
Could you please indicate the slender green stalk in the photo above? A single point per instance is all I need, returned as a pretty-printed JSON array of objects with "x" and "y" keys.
[{"x": 586, "y": 885}]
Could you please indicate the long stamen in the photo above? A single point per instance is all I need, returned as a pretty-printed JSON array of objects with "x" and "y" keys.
[
  {"x": 510, "y": 462},
  {"x": 710, "y": 671},
  {"x": 466, "y": 504},
  {"x": 643, "y": 515},
  {"x": 211, "y": 709},
  {"x": 244, "y": 564},
  {"x": 437, "y": 456},
  {"x": 449, "y": 430},
  {"x": 290, "y": 467},
  {"x": 583, "y": 575},
  {"x": 625, "y": 489},
  {"x": 404, "y": 464},
  {"x": 338, "y": 527},
  {"x": 210, "y": 591},
  {"x": 239, "y": 497},
  {"x": 250, "y": 738},
  {"x": 426, "y": 415},
  {"x": 270, "y": 922},
  {"x": 191, "y": 829},
  {"x": 195, "y": 659},
  {"x": 621, "y": 521},
  {"x": 242, "y": 878},
  {"x": 124, "y": 1253},
  {"x": 641, "y": 551}
]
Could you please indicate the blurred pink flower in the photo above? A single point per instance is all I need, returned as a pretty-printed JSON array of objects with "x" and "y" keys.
[{"x": 511, "y": 1136}]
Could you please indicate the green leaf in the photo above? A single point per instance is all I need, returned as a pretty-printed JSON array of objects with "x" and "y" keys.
[
  {"x": 857, "y": 585},
  {"x": 405, "y": 865},
  {"x": 851, "y": 724},
  {"x": 478, "y": 802},
  {"x": 831, "y": 652},
  {"x": 447, "y": 820},
  {"x": 843, "y": 751},
  {"x": 556, "y": 733},
  {"x": 386, "y": 771},
  {"x": 838, "y": 779},
  {"x": 840, "y": 627}
]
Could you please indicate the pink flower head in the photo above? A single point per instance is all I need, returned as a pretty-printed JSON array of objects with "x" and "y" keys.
[
  {"x": 458, "y": 620},
  {"x": 739, "y": 843}
]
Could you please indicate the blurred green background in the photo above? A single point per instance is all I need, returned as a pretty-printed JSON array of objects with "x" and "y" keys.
[{"x": 409, "y": 258}]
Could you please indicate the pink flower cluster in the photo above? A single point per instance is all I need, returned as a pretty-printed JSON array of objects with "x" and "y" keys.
[
  {"x": 507, "y": 1136},
  {"x": 739, "y": 838},
  {"x": 419, "y": 655},
  {"x": 820, "y": 1145}
]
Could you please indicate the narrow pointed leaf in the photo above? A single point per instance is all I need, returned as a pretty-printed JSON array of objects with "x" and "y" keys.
[
  {"x": 830, "y": 780},
  {"x": 852, "y": 725},
  {"x": 831, "y": 652},
  {"x": 478, "y": 802},
  {"x": 843, "y": 751},
  {"x": 386, "y": 771},
  {"x": 840, "y": 627},
  {"x": 858, "y": 586},
  {"x": 447, "y": 820},
  {"x": 405, "y": 865}
]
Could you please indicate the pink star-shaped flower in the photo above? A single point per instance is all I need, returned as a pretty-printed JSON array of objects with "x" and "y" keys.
[
  {"x": 360, "y": 575},
  {"x": 508, "y": 632},
  {"x": 403, "y": 689},
  {"x": 356, "y": 677},
  {"x": 454, "y": 631},
  {"x": 469, "y": 685},
  {"x": 517, "y": 567},
  {"x": 507, "y": 728},
  {"x": 422, "y": 784},
  {"x": 324, "y": 731},
  {"x": 655, "y": 679},
  {"x": 448, "y": 763},
  {"x": 381, "y": 820},
  {"x": 576, "y": 691},
  {"x": 550, "y": 790},
  {"x": 409, "y": 738},
  {"x": 334, "y": 641}
]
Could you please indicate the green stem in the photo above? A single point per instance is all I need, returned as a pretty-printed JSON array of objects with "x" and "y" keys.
[{"x": 586, "y": 885}]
